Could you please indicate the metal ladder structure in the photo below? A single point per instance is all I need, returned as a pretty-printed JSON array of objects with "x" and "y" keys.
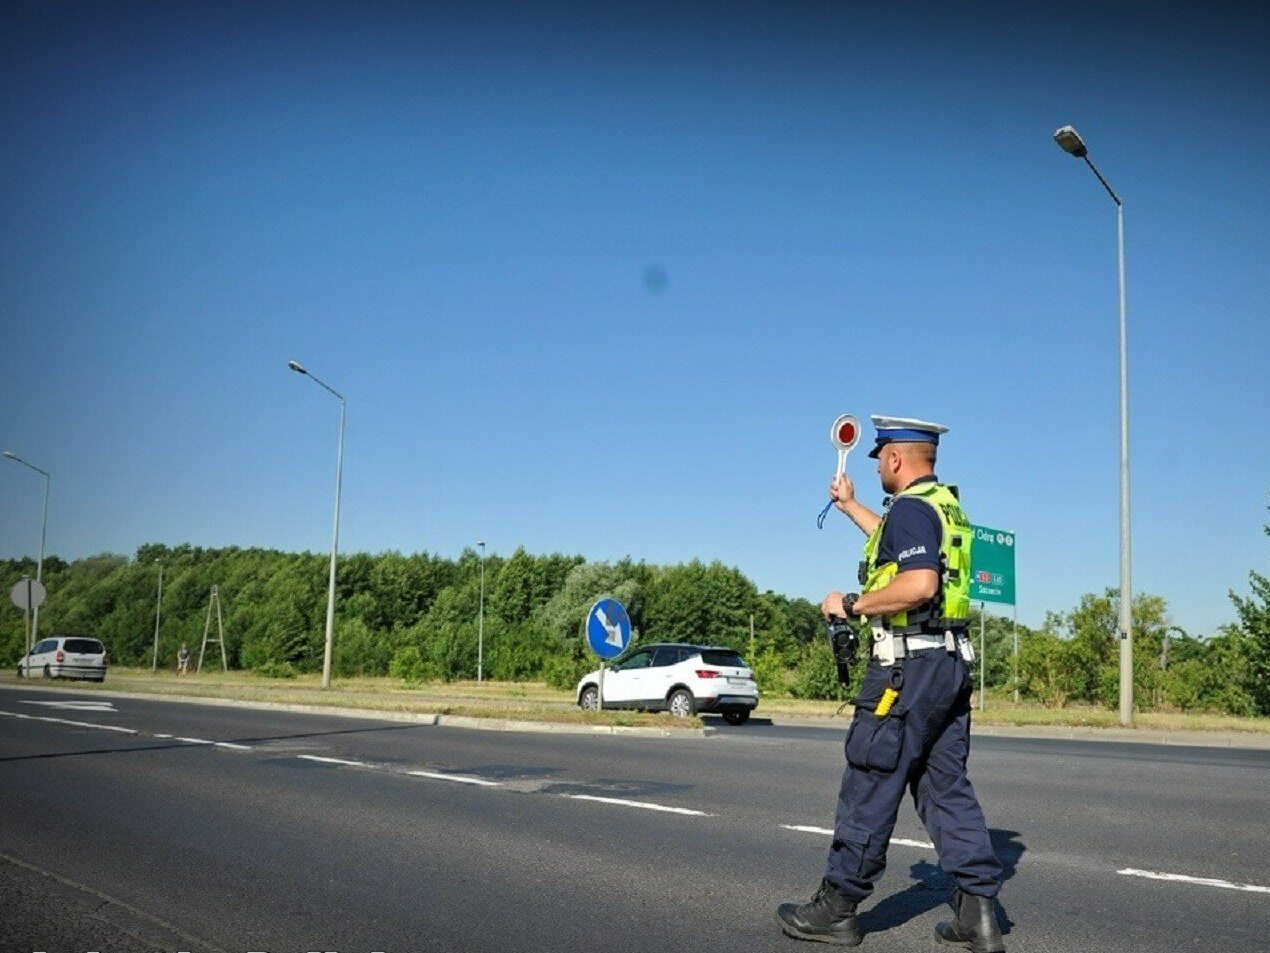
[{"x": 213, "y": 600}]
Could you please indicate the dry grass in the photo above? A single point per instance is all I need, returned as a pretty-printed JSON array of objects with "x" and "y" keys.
[
  {"x": 1001, "y": 710},
  {"x": 528, "y": 701},
  {"x": 535, "y": 701}
]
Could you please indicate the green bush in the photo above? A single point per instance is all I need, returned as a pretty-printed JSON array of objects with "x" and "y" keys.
[
  {"x": 1050, "y": 669},
  {"x": 564, "y": 671},
  {"x": 818, "y": 674},
  {"x": 770, "y": 671},
  {"x": 408, "y": 665}
]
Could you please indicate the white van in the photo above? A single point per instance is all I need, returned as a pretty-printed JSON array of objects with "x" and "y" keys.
[{"x": 65, "y": 656}]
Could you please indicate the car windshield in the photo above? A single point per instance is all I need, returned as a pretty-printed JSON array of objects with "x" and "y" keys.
[
  {"x": 84, "y": 646},
  {"x": 724, "y": 657}
]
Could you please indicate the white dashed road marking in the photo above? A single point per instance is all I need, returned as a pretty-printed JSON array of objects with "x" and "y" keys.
[
  {"x": 1202, "y": 881},
  {"x": 462, "y": 779},
  {"x": 193, "y": 741},
  {"x": 902, "y": 841},
  {"x": 644, "y": 804},
  {"x": 350, "y": 764},
  {"x": 74, "y": 705},
  {"x": 231, "y": 745},
  {"x": 67, "y": 721}
]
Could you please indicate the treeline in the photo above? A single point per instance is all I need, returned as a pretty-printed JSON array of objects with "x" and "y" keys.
[{"x": 416, "y": 617}]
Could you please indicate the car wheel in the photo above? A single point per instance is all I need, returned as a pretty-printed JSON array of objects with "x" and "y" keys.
[
  {"x": 590, "y": 700},
  {"x": 681, "y": 704},
  {"x": 736, "y": 716}
]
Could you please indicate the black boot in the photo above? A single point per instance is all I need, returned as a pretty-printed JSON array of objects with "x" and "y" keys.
[
  {"x": 828, "y": 917},
  {"x": 975, "y": 928}
]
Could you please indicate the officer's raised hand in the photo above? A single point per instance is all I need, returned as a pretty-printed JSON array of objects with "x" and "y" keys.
[{"x": 842, "y": 492}]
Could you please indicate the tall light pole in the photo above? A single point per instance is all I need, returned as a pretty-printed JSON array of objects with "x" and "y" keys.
[
  {"x": 335, "y": 535},
  {"x": 480, "y": 620},
  {"x": 1070, "y": 141},
  {"x": 158, "y": 611},
  {"x": 44, "y": 527}
]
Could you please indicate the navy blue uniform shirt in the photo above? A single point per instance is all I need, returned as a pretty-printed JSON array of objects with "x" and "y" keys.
[{"x": 912, "y": 534}]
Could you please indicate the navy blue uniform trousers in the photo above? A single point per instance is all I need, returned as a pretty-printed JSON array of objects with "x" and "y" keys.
[{"x": 930, "y": 727}]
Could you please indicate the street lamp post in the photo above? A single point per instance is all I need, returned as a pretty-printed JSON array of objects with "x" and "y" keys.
[
  {"x": 44, "y": 526},
  {"x": 158, "y": 611},
  {"x": 335, "y": 535},
  {"x": 480, "y": 620},
  {"x": 1070, "y": 141}
]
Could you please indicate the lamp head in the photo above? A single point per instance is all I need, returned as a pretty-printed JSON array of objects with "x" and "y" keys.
[
  {"x": 11, "y": 455},
  {"x": 1071, "y": 142},
  {"x": 480, "y": 543},
  {"x": 297, "y": 367}
]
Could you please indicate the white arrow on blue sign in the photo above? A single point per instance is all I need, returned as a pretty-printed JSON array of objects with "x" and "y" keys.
[{"x": 608, "y": 628}]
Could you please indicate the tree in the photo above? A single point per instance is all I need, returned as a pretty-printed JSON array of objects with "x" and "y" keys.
[
  {"x": 1254, "y": 624},
  {"x": 703, "y": 604}
]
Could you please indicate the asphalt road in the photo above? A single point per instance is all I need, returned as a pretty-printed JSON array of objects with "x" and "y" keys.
[{"x": 155, "y": 838}]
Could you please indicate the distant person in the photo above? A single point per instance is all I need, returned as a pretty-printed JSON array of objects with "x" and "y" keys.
[
  {"x": 912, "y": 719},
  {"x": 183, "y": 660}
]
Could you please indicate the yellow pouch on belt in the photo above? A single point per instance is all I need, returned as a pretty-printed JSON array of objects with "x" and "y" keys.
[{"x": 888, "y": 699}]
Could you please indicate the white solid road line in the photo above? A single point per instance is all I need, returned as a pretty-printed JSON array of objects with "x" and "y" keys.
[
  {"x": 351, "y": 764},
  {"x": 1202, "y": 881},
  {"x": 644, "y": 804},
  {"x": 902, "y": 841},
  {"x": 461, "y": 779}
]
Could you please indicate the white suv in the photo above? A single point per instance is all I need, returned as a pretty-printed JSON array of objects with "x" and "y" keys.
[
  {"x": 681, "y": 679},
  {"x": 65, "y": 657}
]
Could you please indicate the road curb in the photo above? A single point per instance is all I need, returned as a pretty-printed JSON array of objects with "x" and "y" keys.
[{"x": 374, "y": 714}]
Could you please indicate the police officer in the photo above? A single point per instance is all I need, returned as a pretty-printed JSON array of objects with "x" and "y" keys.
[{"x": 912, "y": 721}]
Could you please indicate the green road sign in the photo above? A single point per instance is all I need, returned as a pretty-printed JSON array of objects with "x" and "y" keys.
[{"x": 992, "y": 566}]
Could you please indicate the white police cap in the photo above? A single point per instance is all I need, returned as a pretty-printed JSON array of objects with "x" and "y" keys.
[{"x": 904, "y": 430}]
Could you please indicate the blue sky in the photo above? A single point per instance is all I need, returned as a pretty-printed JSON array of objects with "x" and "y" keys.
[{"x": 452, "y": 212}]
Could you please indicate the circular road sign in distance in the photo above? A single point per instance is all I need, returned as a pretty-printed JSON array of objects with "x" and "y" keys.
[
  {"x": 608, "y": 628},
  {"x": 28, "y": 594}
]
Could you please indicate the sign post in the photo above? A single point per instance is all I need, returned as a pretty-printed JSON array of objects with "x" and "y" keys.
[
  {"x": 992, "y": 580},
  {"x": 608, "y": 632},
  {"x": 28, "y": 594}
]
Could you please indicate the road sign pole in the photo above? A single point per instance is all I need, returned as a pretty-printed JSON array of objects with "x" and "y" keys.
[
  {"x": 28, "y": 594},
  {"x": 1016, "y": 655},
  {"x": 30, "y": 633},
  {"x": 599, "y": 700}
]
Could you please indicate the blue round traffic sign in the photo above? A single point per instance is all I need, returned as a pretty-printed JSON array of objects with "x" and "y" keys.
[{"x": 608, "y": 628}]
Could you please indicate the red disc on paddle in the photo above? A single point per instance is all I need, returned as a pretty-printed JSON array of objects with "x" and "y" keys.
[{"x": 845, "y": 432}]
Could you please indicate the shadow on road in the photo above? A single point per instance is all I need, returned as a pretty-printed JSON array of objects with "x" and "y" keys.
[
  {"x": 933, "y": 888},
  {"x": 187, "y": 746}
]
